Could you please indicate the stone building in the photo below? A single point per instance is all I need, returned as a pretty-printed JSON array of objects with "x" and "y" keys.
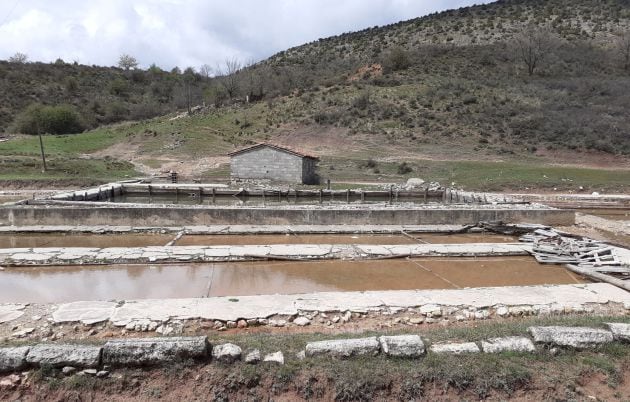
[{"x": 273, "y": 162}]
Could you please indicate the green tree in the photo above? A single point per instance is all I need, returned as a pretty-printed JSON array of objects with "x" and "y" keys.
[
  {"x": 127, "y": 62},
  {"x": 37, "y": 118}
]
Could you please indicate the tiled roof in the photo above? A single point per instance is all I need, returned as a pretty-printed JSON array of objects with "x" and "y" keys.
[{"x": 282, "y": 148}]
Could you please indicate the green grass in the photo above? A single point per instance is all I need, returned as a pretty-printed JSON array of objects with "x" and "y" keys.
[
  {"x": 480, "y": 175},
  {"x": 28, "y": 168},
  {"x": 70, "y": 144}
]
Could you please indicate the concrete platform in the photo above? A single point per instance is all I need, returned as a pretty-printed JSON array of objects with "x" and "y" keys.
[
  {"x": 157, "y": 254},
  {"x": 99, "y": 213},
  {"x": 536, "y": 299}
]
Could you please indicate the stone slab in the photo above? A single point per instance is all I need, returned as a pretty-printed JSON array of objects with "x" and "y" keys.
[
  {"x": 13, "y": 359},
  {"x": 620, "y": 331},
  {"x": 508, "y": 344},
  {"x": 343, "y": 347},
  {"x": 10, "y": 312},
  {"x": 154, "y": 351},
  {"x": 577, "y": 337},
  {"x": 64, "y": 355},
  {"x": 454, "y": 348},
  {"x": 402, "y": 345},
  {"x": 264, "y": 306}
]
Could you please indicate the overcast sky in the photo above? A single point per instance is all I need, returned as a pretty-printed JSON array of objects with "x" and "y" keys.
[{"x": 188, "y": 32}]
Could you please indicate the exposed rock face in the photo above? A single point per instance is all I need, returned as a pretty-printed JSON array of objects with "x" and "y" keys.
[
  {"x": 64, "y": 355},
  {"x": 343, "y": 347},
  {"x": 402, "y": 345},
  {"x": 577, "y": 337},
  {"x": 508, "y": 344},
  {"x": 455, "y": 348},
  {"x": 226, "y": 353},
  {"x": 12, "y": 359},
  {"x": 153, "y": 351}
]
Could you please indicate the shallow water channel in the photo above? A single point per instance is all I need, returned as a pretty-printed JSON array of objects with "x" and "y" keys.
[
  {"x": 140, "y": 239},
  {"x": 63, "y": 284}
]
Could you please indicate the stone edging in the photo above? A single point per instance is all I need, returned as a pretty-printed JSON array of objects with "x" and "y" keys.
[{"x": 156, "y": 351}]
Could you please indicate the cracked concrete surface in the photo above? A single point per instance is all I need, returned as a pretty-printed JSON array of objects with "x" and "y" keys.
[
  {"x": 541, "y": 299},
  {"x": 156, "y": 254}
]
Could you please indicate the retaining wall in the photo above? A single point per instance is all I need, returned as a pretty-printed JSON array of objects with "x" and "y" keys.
[{"x": 156, "y": 215}]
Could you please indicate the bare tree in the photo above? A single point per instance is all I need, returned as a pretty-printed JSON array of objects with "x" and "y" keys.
[
  {"x": 205, "y": 70},
  {"x": 622, "y": 44},
  {"x": 127, "y": 62},
  {"x": 534, "y": 44},
  {"x": 19, "y": 58},
  {"x": 230, "y": 79}
]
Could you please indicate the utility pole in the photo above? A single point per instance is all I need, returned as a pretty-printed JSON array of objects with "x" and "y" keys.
[{"x": 41, "y": 147}]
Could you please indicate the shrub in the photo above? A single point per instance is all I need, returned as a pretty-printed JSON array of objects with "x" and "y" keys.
[
  {"x": 404, "y": 168},
  {"x": 62, "y": 119},
  {"x": 397, "y": 59}
]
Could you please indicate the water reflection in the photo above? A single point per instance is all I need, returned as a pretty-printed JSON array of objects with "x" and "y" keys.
[{"x": 62, "y": 284}]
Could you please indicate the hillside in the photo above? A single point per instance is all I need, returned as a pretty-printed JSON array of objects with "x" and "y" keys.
[
  {"x": 102, "y": 95},
  {"x": 447, "y": 87}
]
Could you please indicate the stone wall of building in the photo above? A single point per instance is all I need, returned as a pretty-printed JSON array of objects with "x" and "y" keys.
[{"x": 267, "y": 163}]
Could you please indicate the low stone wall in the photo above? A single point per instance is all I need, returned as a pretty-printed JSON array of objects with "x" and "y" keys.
[
  {"x": 158, "y": 351},
  {"x": 178, "y": 215}
]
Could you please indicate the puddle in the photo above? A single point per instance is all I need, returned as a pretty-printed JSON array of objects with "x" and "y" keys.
[
  {"x": 211, "y": 240},
  {"x": 63, "y": 284},
  {"x": 614, "y": 214},
  {"x": 83, "y": 240}
]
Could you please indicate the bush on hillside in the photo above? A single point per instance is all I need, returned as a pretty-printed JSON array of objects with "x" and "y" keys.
[{"x": 62, "y": 119}]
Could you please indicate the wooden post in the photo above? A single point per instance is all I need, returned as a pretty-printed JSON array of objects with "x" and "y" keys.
[
  {"x": 391, "y": 191},
  {"x": 426, "y": 194},
  {"x": 347, "y": 196},
  {"x": 200, "y": 195},
  {"x": 362, "y": 196},
  {"x": 321, "y": 193},
  {"x": 214, "y": 194},
  {"x": 85, "y": 198}
]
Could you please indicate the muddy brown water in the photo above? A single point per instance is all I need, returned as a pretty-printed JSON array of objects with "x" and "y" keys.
[
  {"x": 83, "y": 240},
  {"x": 64, "y": 284},
  {"x": 140, "y": 239},
  {"x": 209, "y": 240},
  {"x": 191, "y": 198},
  {"x": 614, "y": 214}
]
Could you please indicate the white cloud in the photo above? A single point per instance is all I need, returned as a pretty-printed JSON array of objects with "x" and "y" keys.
[{"x": 187, "y": 32}]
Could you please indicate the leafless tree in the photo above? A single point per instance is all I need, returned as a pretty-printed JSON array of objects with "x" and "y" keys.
[
  {"x": 127, "y": 62},
  {"x": 533, "y": 46},
  {"x": 19, "y": 58},
  {"x": 622, "y": 45},
  {"x": 205, "y": 70},
  {"x": 230, "y": 79}
]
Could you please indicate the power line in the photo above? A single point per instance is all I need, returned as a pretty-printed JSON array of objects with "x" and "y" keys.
[{"x": 6, "y": 18}]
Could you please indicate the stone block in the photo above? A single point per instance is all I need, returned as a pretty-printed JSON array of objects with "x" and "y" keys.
[
  {"x": 154, "y": 351},
  {"x": 620, "y": 331},
  {"x": 64, "y": 355},
  {"x": 455, "y": 348},
  {"x": 508, "y": 344},
  {"x": 226, "y": 353},
  {"x": 402, "y": 345},
  {"x": 577, "y": 337},
  {"x": 13, "y": 359},
  {"x": 343, "y": 347}
]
